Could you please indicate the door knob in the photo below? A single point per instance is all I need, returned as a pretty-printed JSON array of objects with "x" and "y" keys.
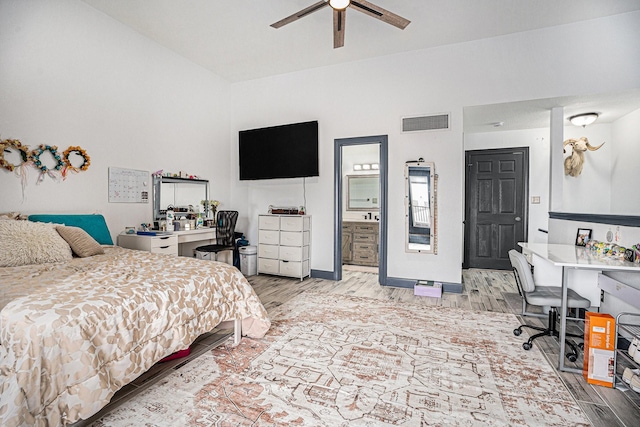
[{"x": 518, "y": 218}]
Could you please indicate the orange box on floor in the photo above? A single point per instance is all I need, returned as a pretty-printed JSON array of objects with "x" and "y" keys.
[{"x": 599, "y": 348}]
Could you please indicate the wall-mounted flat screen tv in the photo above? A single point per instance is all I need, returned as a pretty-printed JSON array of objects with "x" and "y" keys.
[{"x": 286, "y": 151}]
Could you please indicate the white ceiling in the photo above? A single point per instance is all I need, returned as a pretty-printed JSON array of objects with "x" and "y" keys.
[
  {"x": 535, "y": 114},
  {"x": 234, "y": 39}
]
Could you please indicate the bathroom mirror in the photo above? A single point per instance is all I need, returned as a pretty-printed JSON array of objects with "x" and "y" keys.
[
  {"x": 420, "y": 207},
  {"x": 183, "y": 194},
  {"x": 363, "y": 192}
]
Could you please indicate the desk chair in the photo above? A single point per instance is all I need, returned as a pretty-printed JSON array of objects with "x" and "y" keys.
[
  {"x": 225, "y": 236},
  {"x": 544, "y": 296}
]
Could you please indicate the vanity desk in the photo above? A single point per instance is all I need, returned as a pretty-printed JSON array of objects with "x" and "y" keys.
[
  {"x": 360, "y": 242},
  {"x": 570, "y": 259},
  {"x": 182, "y": 243}
]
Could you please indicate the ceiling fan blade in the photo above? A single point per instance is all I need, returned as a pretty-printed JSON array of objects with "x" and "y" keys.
[
  {"x": 380, "y": 13},
  {"x": 301, "y": 14},
  {"x": 339, "y": 17}
]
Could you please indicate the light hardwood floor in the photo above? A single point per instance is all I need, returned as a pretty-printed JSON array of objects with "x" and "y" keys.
[{"x": 485, "y": 290}]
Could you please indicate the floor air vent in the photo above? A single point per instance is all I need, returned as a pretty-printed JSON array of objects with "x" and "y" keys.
[{"x": 422, "y": 123}]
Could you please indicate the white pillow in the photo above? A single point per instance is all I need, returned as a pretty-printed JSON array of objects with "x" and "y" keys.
[{"x": 26, "y": 242}]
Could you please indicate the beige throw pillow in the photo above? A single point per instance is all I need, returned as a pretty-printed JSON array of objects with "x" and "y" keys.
[
  {"x": 26, "y": 242},
  {"x": 82, "y": 244}
]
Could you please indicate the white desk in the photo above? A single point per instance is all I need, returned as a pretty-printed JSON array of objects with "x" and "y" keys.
[
  {"x": 574, "y": 257},
  {"x": 186, "y": 240}
]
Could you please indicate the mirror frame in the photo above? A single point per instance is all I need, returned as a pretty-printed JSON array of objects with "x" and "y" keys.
[
  {"x": 432, "y": 247},
  {"x": 349, "y": 191},
  {"x": 158, "y": 212}
]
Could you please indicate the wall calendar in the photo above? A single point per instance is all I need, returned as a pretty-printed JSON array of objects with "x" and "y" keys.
[{"x": 128, "y": 186}]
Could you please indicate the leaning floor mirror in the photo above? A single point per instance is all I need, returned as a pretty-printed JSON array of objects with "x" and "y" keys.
[{"x": 420, "y": 207}]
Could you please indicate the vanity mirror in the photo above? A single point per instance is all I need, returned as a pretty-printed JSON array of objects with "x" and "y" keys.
[
  {"x": 184, "y": 194},
  {"x": 420, "y": 207},
  {"x": 363, "y": 192}
]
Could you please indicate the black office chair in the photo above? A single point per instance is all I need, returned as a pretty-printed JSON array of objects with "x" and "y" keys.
[
  {"x": 544, "y": 296},
  {"x": 225, "y": 236}
]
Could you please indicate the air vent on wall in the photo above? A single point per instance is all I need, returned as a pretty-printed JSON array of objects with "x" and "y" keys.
[{"x": 423, "y": 123}]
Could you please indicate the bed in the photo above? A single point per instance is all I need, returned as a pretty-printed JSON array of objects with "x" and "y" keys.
[{"x": 76, "y": 326}]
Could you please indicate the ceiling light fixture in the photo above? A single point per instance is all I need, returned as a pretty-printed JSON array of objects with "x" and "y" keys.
[
  {"x": 339, "y": 4},
  {"x": 583, "y": 119}
]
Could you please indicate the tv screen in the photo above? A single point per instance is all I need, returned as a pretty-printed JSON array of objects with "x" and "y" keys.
[{"x": 287, "y": 151}]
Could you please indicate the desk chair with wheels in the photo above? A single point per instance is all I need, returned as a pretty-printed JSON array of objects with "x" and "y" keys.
[
  {"x": 225, "y": 236},
  {"x": 544, "y": 296}
]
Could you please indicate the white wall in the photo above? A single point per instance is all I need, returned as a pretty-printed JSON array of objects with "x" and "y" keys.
[
  {"x": 590, "y": 191},
  {"x": 70, "y": 75},
  {"x": 369, "y": 98},
  {"x": 625, "y": 162}
]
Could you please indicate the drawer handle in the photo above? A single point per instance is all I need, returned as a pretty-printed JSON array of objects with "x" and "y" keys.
[
  {"x": 284, "y": 260},
  {"x": 164, "y": 238},
  {"x": 164, "y": 247}
]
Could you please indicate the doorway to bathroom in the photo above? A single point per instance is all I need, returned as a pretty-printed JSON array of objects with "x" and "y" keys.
[{"x": 360, "y": 206}]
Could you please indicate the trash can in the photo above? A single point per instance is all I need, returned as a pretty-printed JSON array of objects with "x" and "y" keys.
[{"x": 248, "y": 260}]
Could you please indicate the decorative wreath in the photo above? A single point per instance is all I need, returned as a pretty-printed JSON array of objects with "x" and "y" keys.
[
  {"x": 86, "y": 159},
  {"x": 15, "y": 144},
  {"x": 35, "y": 156}
]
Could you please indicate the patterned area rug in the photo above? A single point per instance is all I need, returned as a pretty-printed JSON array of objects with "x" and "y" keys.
[{"x": 333, "y": 360}]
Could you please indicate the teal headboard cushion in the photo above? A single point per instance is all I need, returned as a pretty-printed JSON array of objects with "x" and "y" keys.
[{"x": 93, "y": 224}]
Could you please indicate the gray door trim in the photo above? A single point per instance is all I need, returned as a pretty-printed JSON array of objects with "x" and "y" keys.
[{"x": 338, "y": 186}]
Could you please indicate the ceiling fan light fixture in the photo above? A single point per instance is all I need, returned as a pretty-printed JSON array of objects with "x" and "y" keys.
[
  {"x": 339, "y": 4},
  {"x": 583, "y": 119}
]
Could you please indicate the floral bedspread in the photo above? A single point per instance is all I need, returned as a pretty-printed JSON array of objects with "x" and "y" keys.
[{"x": 72, "y": 334}]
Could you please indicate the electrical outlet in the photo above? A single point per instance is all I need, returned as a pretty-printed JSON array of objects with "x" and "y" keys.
[{"x": 535, "y": 200}]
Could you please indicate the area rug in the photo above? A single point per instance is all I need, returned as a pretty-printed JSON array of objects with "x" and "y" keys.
[{"x": 334, "y": 360}]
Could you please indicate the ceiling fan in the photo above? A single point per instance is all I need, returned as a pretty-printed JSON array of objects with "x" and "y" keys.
[{"x": 340, "y": 13}]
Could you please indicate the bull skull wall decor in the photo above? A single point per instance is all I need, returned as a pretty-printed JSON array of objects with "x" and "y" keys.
[{"x": 573, "y": 164}]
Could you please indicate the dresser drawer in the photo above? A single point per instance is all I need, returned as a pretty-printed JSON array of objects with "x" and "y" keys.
[
  {"x": 365, "y": 258},
  {"x": 292, "y": 238},
  {"x": 168, "y": 249},
  {"x": 267, "y": 222},
  {"x": 364, "y": 237},
  {"x": 268, "y": 251},
  {"x": 155, "y": 244},
  {"x": 269, "y": 266},
  {"x": 294, "y": 253},
  {"x": 292, "y": 268},
  {"x": 365, "y": 248},
  {"x": 366, "y": 228},
  {"x": 269, "y": 237},
  {"x": 163, "y": 241},
  {"x": 292, "y": 223}
]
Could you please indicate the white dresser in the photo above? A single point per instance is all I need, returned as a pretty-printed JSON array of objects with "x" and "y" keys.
[
  {"x": 154, "y": 244},
  {"x": 283, "y": 245}
]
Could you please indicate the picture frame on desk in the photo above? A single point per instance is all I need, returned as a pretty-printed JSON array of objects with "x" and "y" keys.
[{"x": 583, "y": 236}]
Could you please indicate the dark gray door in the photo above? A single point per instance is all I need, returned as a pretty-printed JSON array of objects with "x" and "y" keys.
[{"x": 496, "y": 206}]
